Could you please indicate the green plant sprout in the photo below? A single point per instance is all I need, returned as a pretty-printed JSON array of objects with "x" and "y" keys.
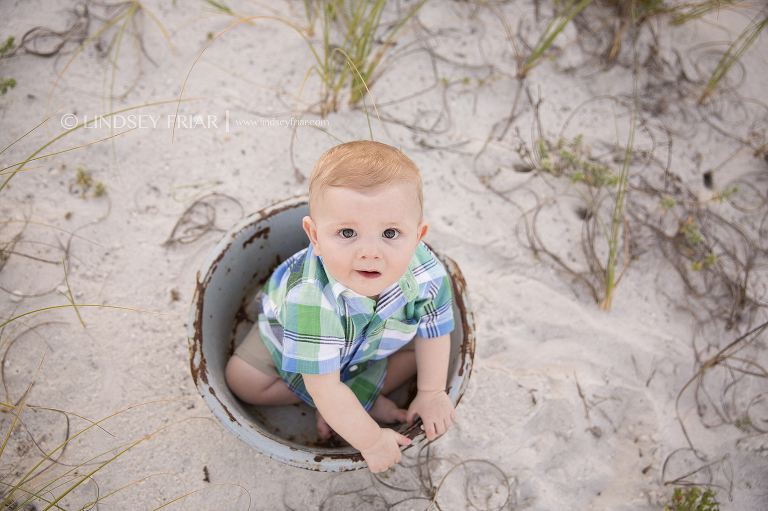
[
  {"x": 708, "y": 262},
  {"x": 691, "y": 232},
  {"x": 667, "y": 203},
  {"x": 7, "y": 83},
  {"x": 83, "y": 178},
  {"x": 7, "y": 46},
  {"x": 571, "y": 159},
  {"x": 99, "y": 190},
  {"x": 726, "y": 194},
  {"x": 693, "y": 499}
]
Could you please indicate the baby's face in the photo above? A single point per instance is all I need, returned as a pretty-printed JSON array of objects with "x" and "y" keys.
[{"x": 366, "y": 237}]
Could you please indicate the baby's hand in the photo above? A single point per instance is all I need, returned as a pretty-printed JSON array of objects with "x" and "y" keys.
[
  {"x": 435, "y": 409},
  {"x": 385, "y": 452}
]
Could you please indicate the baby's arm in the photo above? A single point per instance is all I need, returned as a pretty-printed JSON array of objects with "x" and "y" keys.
[
  {"x": 344, "y": 413},
  {"x": 432, "y": 403}
]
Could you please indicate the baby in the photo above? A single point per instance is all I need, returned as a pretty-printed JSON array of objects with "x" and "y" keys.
[{"x": 362, "y": 309}]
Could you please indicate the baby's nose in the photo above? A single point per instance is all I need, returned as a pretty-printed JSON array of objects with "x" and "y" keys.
[{"x": 369, "y": 249}]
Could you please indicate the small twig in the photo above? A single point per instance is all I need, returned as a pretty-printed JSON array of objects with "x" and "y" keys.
[{"x": 581, "y": 395}]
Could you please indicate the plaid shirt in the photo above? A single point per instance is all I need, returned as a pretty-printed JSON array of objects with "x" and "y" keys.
[{"x": 313, "y": 324}]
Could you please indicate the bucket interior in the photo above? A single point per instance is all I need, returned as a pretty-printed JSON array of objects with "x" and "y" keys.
[{"x": 223, "y": 313}]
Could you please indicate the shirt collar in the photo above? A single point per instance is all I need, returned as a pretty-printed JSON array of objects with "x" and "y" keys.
[{"x": 406, "y": 286}]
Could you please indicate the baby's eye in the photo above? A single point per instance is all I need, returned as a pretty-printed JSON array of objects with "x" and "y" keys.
[
  {"x": 391, "y": 234},
  {"x": 347, "y": 233}
]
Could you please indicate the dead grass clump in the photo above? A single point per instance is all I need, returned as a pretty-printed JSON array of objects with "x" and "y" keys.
[
  {"x": 48, "y": 42},
  {"x": 200, "y": 218}
]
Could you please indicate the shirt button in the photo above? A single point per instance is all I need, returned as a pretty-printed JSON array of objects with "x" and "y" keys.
[{"x": 353, "y": 368}]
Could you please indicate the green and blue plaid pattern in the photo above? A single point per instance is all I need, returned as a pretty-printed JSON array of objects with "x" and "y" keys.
[{"x": 313, "y": 324}]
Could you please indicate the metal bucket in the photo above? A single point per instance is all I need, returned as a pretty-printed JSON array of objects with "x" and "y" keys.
[{"x": 220, "y": 318}]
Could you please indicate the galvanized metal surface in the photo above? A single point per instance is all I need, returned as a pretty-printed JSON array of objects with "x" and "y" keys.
[{"x": 238, "y": 265}]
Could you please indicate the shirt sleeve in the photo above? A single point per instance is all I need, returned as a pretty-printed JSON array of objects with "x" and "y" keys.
[
  {"x": 312, "y": 331},
  {"x": 436, "y": 309}
]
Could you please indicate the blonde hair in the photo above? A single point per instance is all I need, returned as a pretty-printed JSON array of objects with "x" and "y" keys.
[{"x": 363, "y": 164}]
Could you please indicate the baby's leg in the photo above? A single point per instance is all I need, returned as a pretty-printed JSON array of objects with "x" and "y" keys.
[
  {"x": 255, "y": 387},
  {"x": 323, "y": 428},
  {"x": 252, "y": 376},
  {"x": 401, "y": 365}
]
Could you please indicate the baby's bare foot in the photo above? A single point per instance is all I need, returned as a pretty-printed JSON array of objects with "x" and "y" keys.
[
  {"x": 385, "y": 410},
  {"x": 323, "y": 428}
]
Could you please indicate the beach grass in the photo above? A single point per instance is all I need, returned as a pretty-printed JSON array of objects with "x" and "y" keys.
[
  {"x": 350, "y": 53},
  {"x": 736, "y": 51},
  {"x": 48, "y": 484},
  {"x": 553, "y": 29},
  {"x": 336, "y": 66}
]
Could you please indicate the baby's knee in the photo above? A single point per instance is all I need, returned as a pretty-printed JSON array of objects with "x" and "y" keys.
[
  {"x": 247, "y": 382},
  {"x": 242, "y": 378},
  {"x": 235, "y": 372}
]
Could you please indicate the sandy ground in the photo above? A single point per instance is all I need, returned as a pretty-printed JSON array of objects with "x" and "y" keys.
[{"x": 575, "y": 408}]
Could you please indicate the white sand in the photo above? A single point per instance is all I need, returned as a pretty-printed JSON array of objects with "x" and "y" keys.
[{"x": 537, "y": 331}]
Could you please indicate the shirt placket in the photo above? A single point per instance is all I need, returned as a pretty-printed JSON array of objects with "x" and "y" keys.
[{"x": 403, "y": 296}]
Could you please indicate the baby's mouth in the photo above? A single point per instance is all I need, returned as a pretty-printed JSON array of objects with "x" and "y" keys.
[{"x": 372, "y": 274}]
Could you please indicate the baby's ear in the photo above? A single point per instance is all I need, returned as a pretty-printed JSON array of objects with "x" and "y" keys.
[
  {"x": 421, "y": 230},
  {"x": 309, "y": 227}
]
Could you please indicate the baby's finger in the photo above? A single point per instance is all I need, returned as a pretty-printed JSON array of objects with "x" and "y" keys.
[
  {"x": 440, "y": 427},
  {"x": 429, "y": 429},
  {"x": 410, "y": 415}
]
